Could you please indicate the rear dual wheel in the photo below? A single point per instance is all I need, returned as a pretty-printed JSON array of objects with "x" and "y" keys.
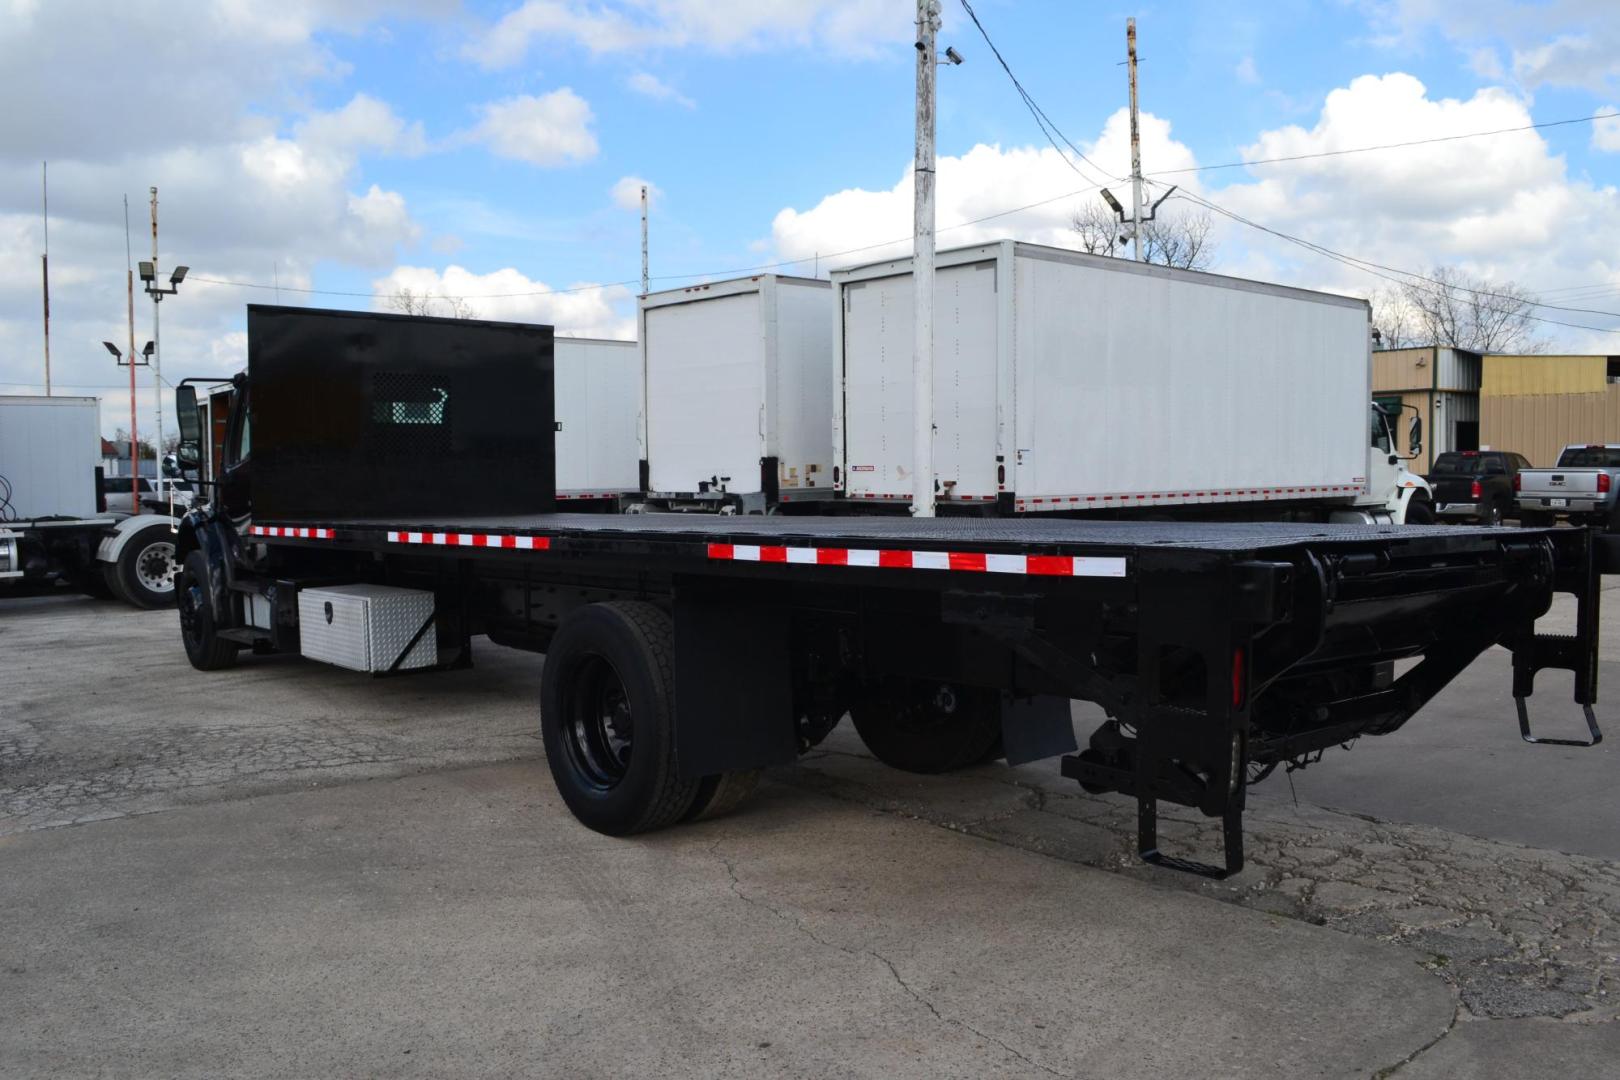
[
  {"x": 929, "y": 727},
  {"x": 607, "y": 722}
]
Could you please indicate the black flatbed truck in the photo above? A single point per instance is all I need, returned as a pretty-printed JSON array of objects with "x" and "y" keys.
[{"x": 685, "y": 654}]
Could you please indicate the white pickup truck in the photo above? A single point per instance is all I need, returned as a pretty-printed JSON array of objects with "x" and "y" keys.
[{"x": 1581, "y": 487}]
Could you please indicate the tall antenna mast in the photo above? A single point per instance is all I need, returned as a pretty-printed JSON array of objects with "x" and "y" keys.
[
  {"x": 45, "y": 267},
  {"x": 644, "y": 240}
]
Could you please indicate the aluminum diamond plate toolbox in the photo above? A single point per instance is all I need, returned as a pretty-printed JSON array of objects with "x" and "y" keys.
[{"x": 367, "y": 627}]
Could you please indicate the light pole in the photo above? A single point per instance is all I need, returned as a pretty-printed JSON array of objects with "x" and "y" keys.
[
  {"x": 134, "y": 442},
  {"x": 149, "y": 271}
]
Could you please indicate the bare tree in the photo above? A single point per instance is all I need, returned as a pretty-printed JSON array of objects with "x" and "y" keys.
[
  {"x": 1394, "y": 321},
  {"x": 1454, "y": 308},
  {"x": 410, "y": 302},
  {"x": 1174, "y": 238}
]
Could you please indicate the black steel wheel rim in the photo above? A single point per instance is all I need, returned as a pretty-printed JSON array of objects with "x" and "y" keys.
[{"x": 597, "y": 730}]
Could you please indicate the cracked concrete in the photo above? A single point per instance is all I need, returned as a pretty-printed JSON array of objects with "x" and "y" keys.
[
  {"x": 104, "y": 743},
  {"x": 460, "y": 923},
  {"x": 1517, "y": 932},
  {"x": 942, "y": 957}
]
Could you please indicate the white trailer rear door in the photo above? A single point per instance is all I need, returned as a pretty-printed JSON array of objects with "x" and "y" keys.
[
  {"x": 705, "y": 393},
  {"x": 877, "y": 383}
]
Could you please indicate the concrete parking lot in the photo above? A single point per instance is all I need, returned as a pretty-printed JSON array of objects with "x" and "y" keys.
[{"x": 290, "y": 870}]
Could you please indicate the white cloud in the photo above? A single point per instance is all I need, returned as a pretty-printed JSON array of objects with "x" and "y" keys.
[
  {"x": 649, "y": 85},
  {"x": 986, "y": 180},
  {"x": 363, "y": 124},
  {"x": 549, "y": 130},
  {"x": 1246, "y": 71},
  {"x": 586, "y": 311},
  {"x": 1606, "y": 133},
  {"x": 1569, "y": 43},
  {"x": 844, "y": 27},
  {"x": 1502, "y": 207},
  {"x": 255, "y": 184},
  {"x": 627, "y": 192}
]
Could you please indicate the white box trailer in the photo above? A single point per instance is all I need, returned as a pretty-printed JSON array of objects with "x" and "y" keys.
[
  {"x": 598, "y": 403},
  {"x": 49, "y": 450},
  {"x": 1066, "y": 381},
  {"x": 737, "y": 393}
]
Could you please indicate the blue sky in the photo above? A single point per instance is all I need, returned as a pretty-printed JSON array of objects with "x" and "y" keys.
[{"x": 474, "y": 148}]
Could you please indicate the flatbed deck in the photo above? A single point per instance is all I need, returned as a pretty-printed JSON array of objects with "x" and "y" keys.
[{"x": 1063, "y": 535}]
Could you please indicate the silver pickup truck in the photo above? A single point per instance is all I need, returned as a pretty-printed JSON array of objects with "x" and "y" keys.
[{"x": 1581, "y": 487}]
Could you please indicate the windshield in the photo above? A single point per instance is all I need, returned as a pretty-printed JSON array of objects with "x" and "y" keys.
[
  {"x": 1456, "y": 465},
  {"x": 1589, "y": 457}
]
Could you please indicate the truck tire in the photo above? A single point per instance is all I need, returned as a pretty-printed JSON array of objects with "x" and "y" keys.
[
  {"x": 721, "y": 794},
  {"x": 607, "y": 718},
  {"x": 204, "y": 647},
  {"x": 925, "y": 727},
  {"x": 146, "y": 568},
  {"x": 1494, "y": 512},
  {"x": 1419, "y": 512}
]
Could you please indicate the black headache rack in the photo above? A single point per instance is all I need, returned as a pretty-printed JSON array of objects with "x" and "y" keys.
[{"x": 1219, "y": 652}]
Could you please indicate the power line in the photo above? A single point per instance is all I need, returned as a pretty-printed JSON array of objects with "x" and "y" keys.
[
  {"x": 1420, "y": 283},
  {"x": 1385, "y": 146},
  {"x": 1044, "y": 122}
]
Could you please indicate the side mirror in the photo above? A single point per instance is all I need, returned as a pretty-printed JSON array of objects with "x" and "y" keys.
[
  {"x": 186, "y": 414},
  {"x": 1414, "y": 435}
]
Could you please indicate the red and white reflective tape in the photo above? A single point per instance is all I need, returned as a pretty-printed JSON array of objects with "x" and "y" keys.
[
  {"x": 472, "y": 540},
  {"x": 971, "y": 561},
  {"x": 290, "y": 532}
]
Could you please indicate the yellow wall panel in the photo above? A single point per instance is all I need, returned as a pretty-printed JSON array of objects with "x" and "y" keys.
[
  {"x": 1540, "y": 425},
  {"x": 1514, "y": 376}
]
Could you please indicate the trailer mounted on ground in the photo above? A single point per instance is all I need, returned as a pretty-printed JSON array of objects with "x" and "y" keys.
[{"x": 685, "y": 653}]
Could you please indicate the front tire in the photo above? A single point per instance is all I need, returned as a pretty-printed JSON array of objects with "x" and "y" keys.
[
  {"x": 1419, "y": 512},
  {"x": 204, "y": 647},
  {"x": 926, "y": 727},
  {"x": 607, "y": 719},
  {"x": 146, "y": 568}
]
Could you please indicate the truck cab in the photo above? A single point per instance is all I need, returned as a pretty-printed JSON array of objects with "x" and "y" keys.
[{"x": 1392, "y": 488}]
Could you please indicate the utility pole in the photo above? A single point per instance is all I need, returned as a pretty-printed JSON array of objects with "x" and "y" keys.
[
  {"x": 157, "y": 334},
  {"x": 45, "y": 268},
  {"x": 922, "y": 269},
  {"x": 1136, "y": 146},
  {"x": 644, "y": 240}
]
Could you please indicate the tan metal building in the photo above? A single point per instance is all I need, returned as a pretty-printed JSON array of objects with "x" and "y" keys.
[
  {"x": 1443, "y": 385},
  {"x": 1535, "y": 405}
]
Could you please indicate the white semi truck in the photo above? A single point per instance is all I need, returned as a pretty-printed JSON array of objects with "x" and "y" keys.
[{"x": 55, "y": 530}]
